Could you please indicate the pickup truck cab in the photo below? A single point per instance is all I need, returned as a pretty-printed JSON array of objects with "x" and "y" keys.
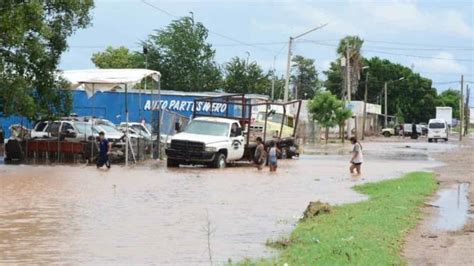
[{"x": 211, "y": 141}]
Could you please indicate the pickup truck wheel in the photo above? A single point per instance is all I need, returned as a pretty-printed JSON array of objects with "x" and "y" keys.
[
  {"x": 172, "y": 163},
  {"x": 430, "y": 140},
  {"x": 386, "y": 134},
  {"x": 219, "y": 161}
]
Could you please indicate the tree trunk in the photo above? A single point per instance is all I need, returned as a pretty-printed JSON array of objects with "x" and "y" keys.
[
  {"x": 342, "y": 132},
  {"x": 327, "y": 134}
]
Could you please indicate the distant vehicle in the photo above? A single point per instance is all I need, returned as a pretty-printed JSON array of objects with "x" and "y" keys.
[
  {"x": 389, "y": 131},
  {"x": 437, "y": 129},
  {"x": 407, "y": 129},
  {"x": 445, "y": 113}
]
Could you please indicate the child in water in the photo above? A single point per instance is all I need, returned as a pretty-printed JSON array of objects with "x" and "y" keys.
[{"x": 272, "y": 157}]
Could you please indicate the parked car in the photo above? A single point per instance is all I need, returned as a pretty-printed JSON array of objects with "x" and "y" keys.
[
  {"x": 389, "y": 131},
  {"x": 77, "y": 131},
  {"x": 142, "y": 130},
  {"x": 437, "y": 129},
  {"x": 407, "y": 129}
]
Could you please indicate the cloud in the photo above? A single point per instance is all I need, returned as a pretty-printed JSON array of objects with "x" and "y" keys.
[
  {"x": 439, "y": 66},
  {"x": 407, "y": 15}
]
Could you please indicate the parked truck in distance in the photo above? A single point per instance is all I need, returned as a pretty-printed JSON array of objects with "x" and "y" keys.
[
  {"x": 445, "y": 113},
  {"x": 215, "y": 139}
]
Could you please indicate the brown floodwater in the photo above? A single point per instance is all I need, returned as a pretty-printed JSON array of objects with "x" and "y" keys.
[{"x": 148, "y": 214}]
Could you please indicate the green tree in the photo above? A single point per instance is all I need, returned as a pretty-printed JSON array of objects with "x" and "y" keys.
[
  {"x": 305, "y": 77},
  {"x": 244, "y": 77},
  {"x": 350, "y": 49},
  {"x": 323, "y": 108},
  {"x": 120, "y": 57},
  {"x": 413, "y": 98},
  {"x": 184, "y": 58},
  {"x": 342, "y": 114},
  {"x": 33, "y": 37},
  {"x": 451, "y": 98}
]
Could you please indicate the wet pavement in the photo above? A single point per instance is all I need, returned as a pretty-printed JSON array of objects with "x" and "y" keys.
[{"x": 153, "y": 215}]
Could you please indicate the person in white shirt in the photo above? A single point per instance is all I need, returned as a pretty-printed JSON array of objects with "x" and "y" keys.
[{"x": 357, "y": 157}]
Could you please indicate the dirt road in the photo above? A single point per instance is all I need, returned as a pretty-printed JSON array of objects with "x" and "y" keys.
[{"x": 439, "y": 242}]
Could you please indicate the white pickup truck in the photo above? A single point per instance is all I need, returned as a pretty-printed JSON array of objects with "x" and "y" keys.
[{"x": 212, "y": 141}]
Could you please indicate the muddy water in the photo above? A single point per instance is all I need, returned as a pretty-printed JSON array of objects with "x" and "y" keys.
[
  {"x": 453, "y": 207},
  {"x": 152, "y": 215}
]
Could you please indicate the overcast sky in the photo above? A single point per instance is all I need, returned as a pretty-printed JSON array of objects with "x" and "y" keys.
[{"x": 435, "y": 38}]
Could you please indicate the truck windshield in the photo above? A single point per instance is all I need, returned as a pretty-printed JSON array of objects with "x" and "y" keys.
[
  {"x": 436, "y": 125},
  {"x": 208, "y": 128}
]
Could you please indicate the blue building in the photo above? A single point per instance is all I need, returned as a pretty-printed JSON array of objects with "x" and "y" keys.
[{"x": 111, "y": 105}]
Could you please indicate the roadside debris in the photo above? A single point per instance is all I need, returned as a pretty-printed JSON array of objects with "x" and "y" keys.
[{"x": 315, "y": 208}]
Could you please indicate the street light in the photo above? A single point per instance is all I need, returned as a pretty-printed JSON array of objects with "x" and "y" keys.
[
  {"x": 290, "y": 43},
  {"x": 385, "y": 90}
]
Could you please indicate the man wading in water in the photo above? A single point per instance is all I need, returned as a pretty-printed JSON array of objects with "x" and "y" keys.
[
  {"x": 260, "y": 154},
  {"x": 104, "y": 150},
  {"x": 357, "y": 157}
]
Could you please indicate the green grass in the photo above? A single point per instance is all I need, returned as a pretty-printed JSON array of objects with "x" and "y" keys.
[{"x": 371, "y": 232}]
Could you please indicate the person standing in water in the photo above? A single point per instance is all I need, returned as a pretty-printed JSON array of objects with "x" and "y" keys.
[
  {"x": 357, "y": 157},
  {"x": 272, "y": 157},
  {"x": 104, "y": 150},
  {"x": 260, "y": 154}
]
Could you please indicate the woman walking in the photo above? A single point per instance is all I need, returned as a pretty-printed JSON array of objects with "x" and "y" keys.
[{"x": 357, "y": 157}]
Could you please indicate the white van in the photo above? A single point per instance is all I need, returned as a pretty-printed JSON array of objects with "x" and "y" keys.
[{"x": 437, "y": 129}]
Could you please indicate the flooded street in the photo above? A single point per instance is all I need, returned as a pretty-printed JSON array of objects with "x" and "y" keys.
[{"x": 151, "y": 214}]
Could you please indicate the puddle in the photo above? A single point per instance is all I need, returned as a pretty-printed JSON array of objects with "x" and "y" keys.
[{"x": 453, "y": 208}]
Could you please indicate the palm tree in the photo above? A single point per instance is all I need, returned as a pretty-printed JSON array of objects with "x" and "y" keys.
[{"x": 351, "y": 46}]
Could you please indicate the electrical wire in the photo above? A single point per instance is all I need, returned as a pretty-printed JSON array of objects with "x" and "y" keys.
[
  {"x": 390, "y": 53},
  {"x": 211, "y": 31}
]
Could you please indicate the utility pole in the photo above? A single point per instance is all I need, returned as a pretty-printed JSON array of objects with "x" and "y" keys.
[
  {"x": 461, "y": 107},
  {"x": 348, "y": 75},
  {"x": 288, "y": 62},
  {"x": 365, "y": 103},
  {"x": 467, "y": 113},
  {"x": 273, "y": 79},
  {"x": 386, "y": 113}
]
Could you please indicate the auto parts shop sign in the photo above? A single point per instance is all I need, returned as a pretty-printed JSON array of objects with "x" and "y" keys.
[{"x": 185, "y": 106}]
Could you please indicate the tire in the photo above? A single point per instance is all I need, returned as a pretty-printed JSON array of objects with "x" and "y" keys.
[
  {"x": 430, "y": 140},
  {"x": 387, "y": 134},
  {"x": 446, "y": 139},
  {"x": 172, "y": 163},
  {"x": 219, "y": 161}
]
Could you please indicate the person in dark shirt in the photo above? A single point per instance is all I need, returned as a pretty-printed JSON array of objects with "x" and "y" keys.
[{"x": 104, "y": 150}]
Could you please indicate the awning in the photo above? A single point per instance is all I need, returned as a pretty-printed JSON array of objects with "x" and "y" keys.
[{"x": 93, "y": 80}]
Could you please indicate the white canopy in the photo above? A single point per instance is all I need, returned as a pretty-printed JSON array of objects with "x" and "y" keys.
[{"x": 93, "y": 80}]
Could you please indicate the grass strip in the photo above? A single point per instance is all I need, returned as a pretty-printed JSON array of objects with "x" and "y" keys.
[{"x": 371, "y": 232}]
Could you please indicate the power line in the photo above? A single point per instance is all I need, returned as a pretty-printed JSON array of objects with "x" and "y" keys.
[
  {"x": 407, "y": 55},
  {"x": 415, "y": 45},
  {"x": 210, "y": 31}
]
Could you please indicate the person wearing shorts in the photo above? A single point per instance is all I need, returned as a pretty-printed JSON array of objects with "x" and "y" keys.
[
  {"x": 272, "y": 157},
  {"x": 357, "y": 157}
]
